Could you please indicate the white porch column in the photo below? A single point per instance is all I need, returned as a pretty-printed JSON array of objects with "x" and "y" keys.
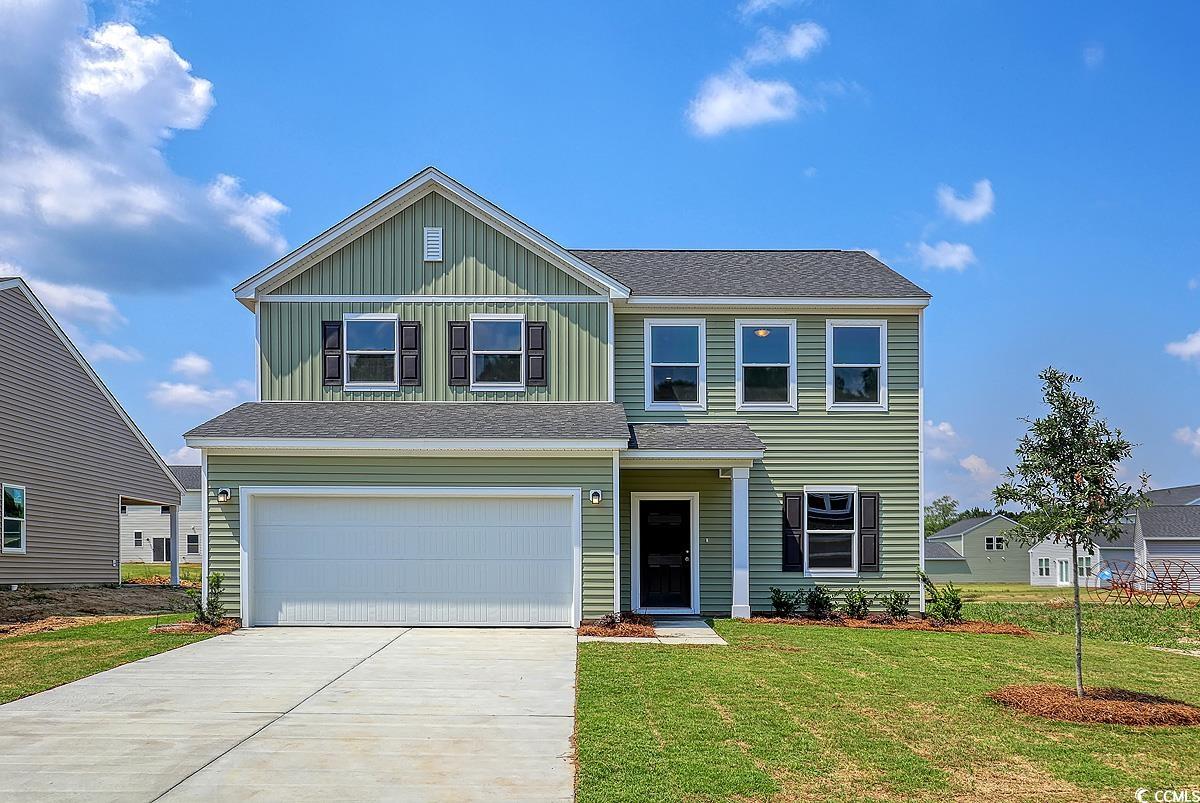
[
  {"x": 741, "y": 543},
  {"x": 174, "y": 542}
]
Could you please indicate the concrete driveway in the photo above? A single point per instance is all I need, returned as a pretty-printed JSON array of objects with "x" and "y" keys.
[{"x": 308, "y": 714}]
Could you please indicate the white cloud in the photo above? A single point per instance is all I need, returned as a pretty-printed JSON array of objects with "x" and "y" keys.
[
  {"x": 940, "y": 439},
  {"x": 99, "y": 350},
  {"x": 1186, "y": 349},
  {"x": 183, "y": 456},
  {"x": 1189, "y": 437},
  {"x": 796, "y": 43},
  {"x": 810, "y": 172},
  {"x": 192, "y": 365},
  {"x": 978, "y": 468},
  {"x": 85, "y": 187},
  {"x": 751, "y": 8},
  {"x": 945, "y": 256},
  {"x": 71, "y": 303},
  {"x": 735, "y": 100},
  {"x": 183, "y": 395},
  {"x": 971, "y": 209},
  {"x": 1194, "y": 283},
  {"x": 1093, "y": 56}
]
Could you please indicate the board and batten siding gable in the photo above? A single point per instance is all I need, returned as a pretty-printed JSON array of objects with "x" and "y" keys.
[
  {"x": 588, "y": 472},
  {"x": 876, "y": 451},
  {"x": 477, "y": 259},
  {"x": 73, "y": 452}
]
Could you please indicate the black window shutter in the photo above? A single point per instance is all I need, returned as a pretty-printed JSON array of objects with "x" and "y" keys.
[
  {"x": 868, "y": 532},
  {"x": 793, "y": 532},
  {"x": 535, "y": 355},
  {"x": 459, "y": 352},
  {"x": 410, "y": 353},
  {"x": 331, "y": 352}
]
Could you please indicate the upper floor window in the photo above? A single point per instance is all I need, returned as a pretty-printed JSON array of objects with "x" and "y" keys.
[
  {"x": 14, "y": 519},
  {"x": 370, "y": 351},
  {"x": 497, "y": 352},
  {"x": 856, "y": 365},
  {"x": 674, "y": 364},
  {"x": 766, "y": 364},
  {"x": 994, "y": 543}
]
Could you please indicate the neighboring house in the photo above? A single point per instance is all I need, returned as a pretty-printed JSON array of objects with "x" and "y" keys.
[
  {"x": 462, "y": 422},
  {"x": 146, "y": 529},
  {"x": 1168, "y": 533},
  {"x": 1050, "y": 564},
  {"x": 977, "y": 550},
  {"x": 69, "y": 457}
]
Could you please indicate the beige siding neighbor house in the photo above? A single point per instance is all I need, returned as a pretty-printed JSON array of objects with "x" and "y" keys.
[
  {"x": 146, "y": 529},
  {"x": 461, "y": 422},
  {"x": 69, "y": 458}
]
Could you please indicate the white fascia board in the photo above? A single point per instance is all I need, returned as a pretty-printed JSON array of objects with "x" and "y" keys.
[
  {"x": 392, "y": 203},
  {"x": 776, "y": 301},
  {"x": 410, "y": 444}
]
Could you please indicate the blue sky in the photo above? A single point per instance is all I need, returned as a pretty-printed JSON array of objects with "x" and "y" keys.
[{"x": 156, "y": 154}]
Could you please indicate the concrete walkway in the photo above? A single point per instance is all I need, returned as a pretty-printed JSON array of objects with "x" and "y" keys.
[
  {"x": 671, "y": 630},
  {"x": 308, "y": 714}
]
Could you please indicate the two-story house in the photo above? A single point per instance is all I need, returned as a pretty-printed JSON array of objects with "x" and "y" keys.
[{"x": 462, "y": 422}]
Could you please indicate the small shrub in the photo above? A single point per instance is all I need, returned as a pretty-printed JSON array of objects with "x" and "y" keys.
[
  {"x": 210, "y": 610},
  {"x": 785, "y": 603},
  {"x": 895, "y": 604},
  {"x": 856, "y": 604},
  {"x": 819, "y": 602},
  {"x": 945, "y": 606}
]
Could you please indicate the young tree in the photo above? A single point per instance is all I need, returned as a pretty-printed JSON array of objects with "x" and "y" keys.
[
  {"x": 1066, "y": 480},
  {"x": 940, "y": 514}
]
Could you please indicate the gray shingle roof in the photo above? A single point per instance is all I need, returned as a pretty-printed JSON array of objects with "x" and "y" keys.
[
  {"x": 1180, "y": 495},
  {"x": 960, "y": 526},
  {"x": 580, "y": 420},
  {"x": 936, "y": 550},
  {"x": 188, "y": 476},
  {"x": 733, "y": 435},
  {"x": 1170, "y": 521},
  {"x": 822, "y": 274}
]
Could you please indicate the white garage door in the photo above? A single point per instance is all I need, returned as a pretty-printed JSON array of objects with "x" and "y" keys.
[{"x": 412, "y": 560}]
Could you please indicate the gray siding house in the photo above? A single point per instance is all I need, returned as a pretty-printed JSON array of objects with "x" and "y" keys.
[
  {"x": 69, "y": 458},
  {"x": 977, "y": 550},
  {"x": 146, "y": 529}
]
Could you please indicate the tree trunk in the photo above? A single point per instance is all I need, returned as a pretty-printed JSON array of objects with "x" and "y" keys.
[{"x": 1078, "y": 620}]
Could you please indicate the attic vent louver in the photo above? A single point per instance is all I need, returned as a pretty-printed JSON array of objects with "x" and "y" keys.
[{"x": 433, "y": 243}]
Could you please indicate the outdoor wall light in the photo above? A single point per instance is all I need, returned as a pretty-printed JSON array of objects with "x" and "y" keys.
[
  {"x": 222, "y": 495},
  {"x": 596, "y": 496}
]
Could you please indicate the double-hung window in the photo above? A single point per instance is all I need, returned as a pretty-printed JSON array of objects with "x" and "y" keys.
[
  {"x": 674, "y": 364},
  {"x": 831, "y": 530},
  {"x": 14, "y": 519},
  {"x": 766, "y": 364},
  {"x": 1043, "y": 567},
  {"x": 497, "y": 352},
  {"x": 856, "y": 365},
  {"x": 137, "y": 537},
  {"x": 370, "y": 351},
  {"x": 193, "y": 543},
  {"x": 994, "y": 543},
  {"x": 1084, "y": 565}
]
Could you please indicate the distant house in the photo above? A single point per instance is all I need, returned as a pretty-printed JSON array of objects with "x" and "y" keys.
[
  {"x": 977, "y": 550},
  {"x": 1167, "y": 533},
  {"x": 69, "y": 458},
  {"x": 146, "y": 529}
]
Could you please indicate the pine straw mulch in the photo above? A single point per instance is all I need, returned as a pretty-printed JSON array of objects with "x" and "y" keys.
[
  {"x": 226, "y": 626},
  {"x": 52, "y": 623},
  {"x": 877, "y": 622},
  {"x": 159, "y": 580},
  {"x": 631, "y": 625},
  {"x": 1106, "y": 706}
]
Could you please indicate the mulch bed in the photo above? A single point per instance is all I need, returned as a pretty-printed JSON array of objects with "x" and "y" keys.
[
  {"x": 632, "y": 625},
  {"x": 29, "y": 604},
  {"x": 1106, "y": 706},
  {"x": 226, "y": 626},
  {"x": 159, "y": 580},
  {"x": 877, "y": 622}
]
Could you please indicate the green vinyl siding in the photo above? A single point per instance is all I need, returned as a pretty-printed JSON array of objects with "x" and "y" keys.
[
  {"x": 290, "y": 339},
  {"x": 1009, "y": 565},
  {"x": 716, "y": 545},
  {"x": 588, "y": 472},
  {"x": 388, "y": 259},
  {"x": 876, "y": 451}
]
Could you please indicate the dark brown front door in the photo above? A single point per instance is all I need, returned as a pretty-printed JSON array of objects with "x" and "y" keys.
[
  {"x": 161, "y": 549},
  {"x": 665, "y": 538}
]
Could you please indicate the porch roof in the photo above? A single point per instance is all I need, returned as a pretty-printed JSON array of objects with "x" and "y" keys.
[{"x": 727, "y": 442}]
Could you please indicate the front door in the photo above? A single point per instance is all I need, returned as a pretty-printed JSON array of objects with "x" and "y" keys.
[
  {"x": 665, "y": 539},
  {"x": 161, "y": 549}
]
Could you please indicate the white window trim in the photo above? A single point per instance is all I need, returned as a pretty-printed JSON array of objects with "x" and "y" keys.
[
  {"x": 998, "y": 543},
  {"x": 497, "y": 316},
  {"x": 746, "y": 323},
  {"x": 854, "y": 538},
  {"x": 139, "y": 540},
  {"x": 881, "y": 325},
  {"x": 187, "y": 543},
  {"x": 349, "y": 317},
  {"x": 7, "y": 550},
  {"x": 1046, "y": 564},
  {"x": 701, "y": 402},
  {"x": 1080, "y": 562}
]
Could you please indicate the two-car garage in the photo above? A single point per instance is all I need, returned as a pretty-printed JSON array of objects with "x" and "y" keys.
[{"x": 410, "y": 556}]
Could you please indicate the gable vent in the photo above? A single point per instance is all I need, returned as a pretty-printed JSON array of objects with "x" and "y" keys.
[{"x": 433, "y": 243}]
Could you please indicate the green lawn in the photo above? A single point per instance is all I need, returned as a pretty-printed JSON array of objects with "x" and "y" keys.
[
  {"x": 1161, "y": 627},
  {"x": 813, "y": 713},
  {"x": 137, "y": 571},
  {"x": 40, "y": 661},
  {"x": 1011, "y": 592}
]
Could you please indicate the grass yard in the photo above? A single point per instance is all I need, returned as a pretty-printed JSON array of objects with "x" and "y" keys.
[
  {"x": 811, "y": 713},
  {"x": 40, "y": 661},
  {"x": 140, "y": 571},
  {"x": 1010, "y": 592},
  {"x": 1160, "y": 627}
]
